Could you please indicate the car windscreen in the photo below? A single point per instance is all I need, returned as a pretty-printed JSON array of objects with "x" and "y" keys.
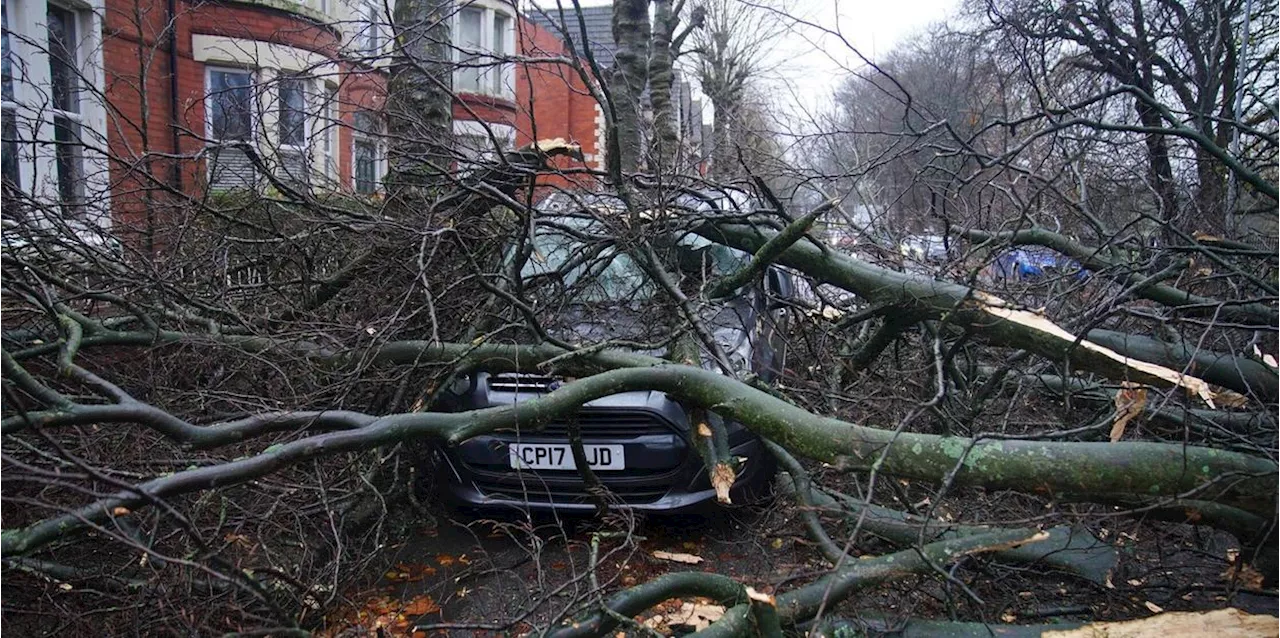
[
  {"x": 599, "y": 273},
  {"x": 593, "y": 274}
]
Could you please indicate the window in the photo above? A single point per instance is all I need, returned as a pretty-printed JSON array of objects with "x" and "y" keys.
[
  {"x": 476, "y": 144},
  {"x": 366, "y": 151},
  {"x": 230, "y": 104},
  {"x": 469, "y": 30},
  {"x": 500, "y": 26},
  {"x": 229, "y": 100},
  {"x": 329, "y": 138},
  {"x": 64, "y": 79},
  {"x": 292, "y": 123},
  {"x": 53, "y": 118},
  {"x": 368, "y": 40},
  {"x": 483, "y": 42}
]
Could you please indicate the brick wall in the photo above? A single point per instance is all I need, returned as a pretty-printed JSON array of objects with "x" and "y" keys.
[
  {"x": 551, "y": 99},
  {"x": 140, "y": 118}
]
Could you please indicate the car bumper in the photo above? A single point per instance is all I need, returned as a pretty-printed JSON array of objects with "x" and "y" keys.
[{"x": 663, "y": 471}]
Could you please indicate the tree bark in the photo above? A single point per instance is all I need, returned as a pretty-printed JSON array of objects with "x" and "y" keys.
[
  {"x": 627, "y": 82},
  {"x": 1106, "y": 470},
  {"x": 419, "y": 105},
  {"x": 666, "y": 139}
]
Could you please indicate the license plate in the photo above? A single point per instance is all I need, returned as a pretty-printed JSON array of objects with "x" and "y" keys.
[{"x": 555, "y": 456}]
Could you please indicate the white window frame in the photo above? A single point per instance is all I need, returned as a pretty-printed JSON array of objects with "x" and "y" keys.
[
  {"x": 330, "y": 140},
  {"x": 254, "y": 79},
  {"x": 480, "y": 132},
  {"x": 31, "y": 109},
  {"x": 255, "y": 115},
  {"x": 497, "y": 78},
  {"x": 380, "y": 166},
  {"x": 305, "y": 85},
  {"x": 74, "y": 119},
  {"x": 369, "y": 38}
]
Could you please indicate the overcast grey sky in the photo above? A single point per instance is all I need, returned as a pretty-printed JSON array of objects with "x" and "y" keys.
[
  {"x": 813, "y": 62},
  {"x": 806, "y": 63}
]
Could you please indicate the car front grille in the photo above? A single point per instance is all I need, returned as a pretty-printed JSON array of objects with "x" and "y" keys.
[{"x": 610, "y": 425}]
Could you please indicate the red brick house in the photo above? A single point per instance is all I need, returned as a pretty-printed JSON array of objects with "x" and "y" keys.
[{"x": 197, "y": 96}]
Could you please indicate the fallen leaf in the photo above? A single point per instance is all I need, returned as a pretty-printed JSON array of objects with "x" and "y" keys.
[
  {"x": 1155, "y": 609},
  {"x": 1130, "y": 401},
  {"x": 677, "y": 557},
  {"x": 445, "y": 560},
  {"x": 120, "y": 511},
  {"x": 703, "y": 430},
  {"x": 420, "y": 606},
  {"x": 1244, "y": 574}
]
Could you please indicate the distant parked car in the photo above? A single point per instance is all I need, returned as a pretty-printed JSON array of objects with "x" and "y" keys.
[
  {"x": 639, "y": 444},
  {"x": 924, "y": 252}
]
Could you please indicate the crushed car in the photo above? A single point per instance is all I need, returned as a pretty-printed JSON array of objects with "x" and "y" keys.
[{"x": 639, "y": 445}]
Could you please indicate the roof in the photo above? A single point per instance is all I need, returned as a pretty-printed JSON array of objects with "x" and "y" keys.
[{"x": 564, "y": 24}]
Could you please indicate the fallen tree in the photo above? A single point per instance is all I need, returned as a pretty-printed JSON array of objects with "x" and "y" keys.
[{"x": 48, "y": 373}]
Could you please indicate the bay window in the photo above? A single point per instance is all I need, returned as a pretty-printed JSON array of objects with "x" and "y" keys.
[
  {"x": 501, "y": 26},
  {"x": 470, "y": 43},
  {"x": 230, "y": 104}
]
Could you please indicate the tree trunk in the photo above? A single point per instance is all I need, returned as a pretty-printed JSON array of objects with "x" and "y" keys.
[
  {"x": 666, "y": 139},
  {"x": 627, "y": 82},
  {"x": 420, "y": 96}
]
